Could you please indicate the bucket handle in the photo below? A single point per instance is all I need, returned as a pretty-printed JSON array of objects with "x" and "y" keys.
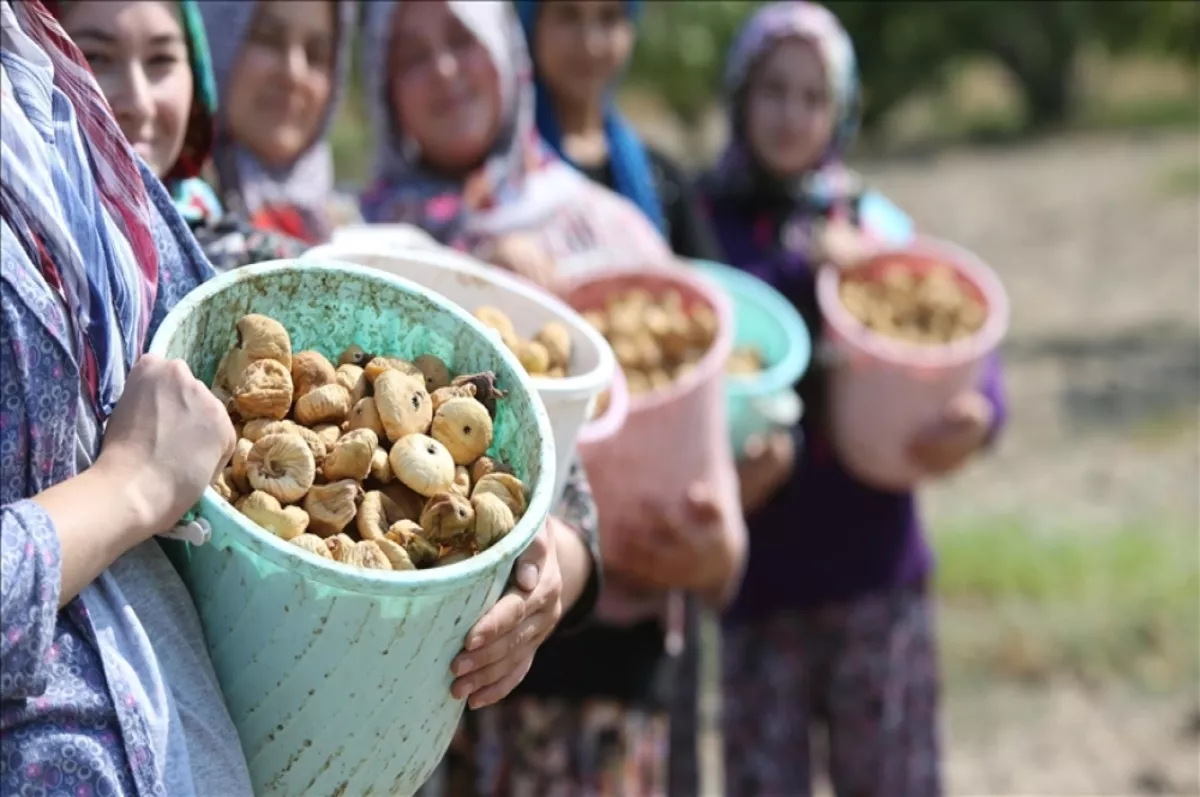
[{"x": 190, "y": 528}]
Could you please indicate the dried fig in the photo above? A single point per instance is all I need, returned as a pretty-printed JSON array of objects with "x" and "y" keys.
[
  {"x": 366, "y": 416},
  {"x": 496, "y": 319},
  {"x": 340, "y": 547},
  {"x": 369, "y": 556},
  {"x": 325, "y": 404},
  {"x": 485, "y": 465},
  {"x": 376, "y": 515},
  {"x": 252, "y": 430},
  {"x": 396, "y": 554},
  {"x": 452, "y": 557},
  {"x": 313, "y": 544},
  {"x": 486, "y": 392},
  {"x": 315, "y": 443},
  {"x": 403, "y": 405},
  {"x": 223, "y": 485},
  {"x": 557, "y": 372},
  {"x": 408, "y": 500},
  {"x": 282, "y": 466},
  {"x": 226, "y": 398},
  {"x": 493, "y": 519},
  {"x": 381, "y": 467},
  {"x": 379, "y": 365},
  {"x": 311, "y": 370},
  {"x": 506, "y": 487},
  {"x": 462, "y": 481},
  {"x": 263, "y": 338},
  {"x": 229, "y": 370},
  {"x": 423, "y": 464},
  {"x": 329, "y": 433},
  {"x": 350, "y": 457},
  {"x": 421, "y": 551},
  {"x": 354, "y": 355},
  {"x": 555, "y": 337},
  {"x": 354, "y": 379},
  {"x": 285, "y": 522},
  {"x": 444, "y": 394},
  {"x": 265, "y": 391},
  {"x": 446, "y": 517},
  {"x": 237, "y": 465},
  {"x": 533, "y": 356},
  {"x": 436, "y": 374},
  {"x": 331, "y": 507},
  {"x": 464, "y": 427}
]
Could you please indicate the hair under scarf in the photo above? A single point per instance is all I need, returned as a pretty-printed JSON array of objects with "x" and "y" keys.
[
  {"x": 738, "y": 173},
  {"x": 632, "y": 174},
  {"x": 521, "y": 185},
  {"x": 307, "y": 183}
]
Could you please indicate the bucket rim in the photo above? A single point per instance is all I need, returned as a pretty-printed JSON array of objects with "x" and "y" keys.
[
  {"x": 380, "y": 583},
  {"x": 785, "y": 373}
]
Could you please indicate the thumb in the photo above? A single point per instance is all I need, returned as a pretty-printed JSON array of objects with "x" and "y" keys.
[{"x": 702, "y": 502}]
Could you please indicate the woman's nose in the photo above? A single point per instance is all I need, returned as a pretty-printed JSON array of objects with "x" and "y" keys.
[
  {"x": 131, "y": 103},
  {"x": 295, "y": 64},
  {"x": 446, "y": 65}
]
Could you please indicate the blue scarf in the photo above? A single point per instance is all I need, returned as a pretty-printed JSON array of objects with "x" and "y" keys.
[{"x": 632, "y": 174}]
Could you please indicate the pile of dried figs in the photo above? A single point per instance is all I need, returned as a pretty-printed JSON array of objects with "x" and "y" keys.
[
  {"x": 933, "y": 308},
  {"x": 547, "y": 354},
  {"x": 376, "y": 462},
  {"x": 656, "y": 338}
]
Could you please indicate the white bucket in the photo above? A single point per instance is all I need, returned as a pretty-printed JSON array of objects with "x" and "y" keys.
[
  {"x": 470, "y": 284},
  {"x": 373, "y": 237}
]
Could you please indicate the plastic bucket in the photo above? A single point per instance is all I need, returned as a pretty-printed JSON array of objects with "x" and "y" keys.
[
  {"x": 883, "y": 391},
  {"x": 338, "y": 680},
  {"x": 667, "y": 441},
  {"x": 470, "y": 284},
  {"x": 766, "y": 321},
  {"x": 392, "y": 236}
]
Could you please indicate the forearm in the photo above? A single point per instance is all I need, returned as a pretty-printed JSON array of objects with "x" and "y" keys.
[
  {"x": 574, "y": 562},
  {"x": 97, "y": 517},
  {"x": 718, "y": 592}
]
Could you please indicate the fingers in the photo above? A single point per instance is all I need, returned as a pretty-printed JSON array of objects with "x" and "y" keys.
[
  {"x": 702, "y": 503},
  {"x": 502, "y": 688},
  {"x": 488, "y": 665},
  {"x": 502, "y": 618},
  {"x": 532, "y": 562},
  {"x": 754, "y": 448}
]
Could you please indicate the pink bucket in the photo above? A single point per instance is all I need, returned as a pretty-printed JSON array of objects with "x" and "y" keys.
[
  {"x": 883, "y": 391},
  {"x": 612, "y": 419},
  {"x": 671, "y": 438}
]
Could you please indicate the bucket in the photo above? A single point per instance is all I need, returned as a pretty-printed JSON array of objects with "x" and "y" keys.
[
  {"x": 338, "y": 680},
  {"x": 469, "y": 284},
  {"x": 883, "y": 391},
  {"x": 391, "y": 236},
  {"x": 667, "y": 441},
  {"x": 763, "y": 319}
]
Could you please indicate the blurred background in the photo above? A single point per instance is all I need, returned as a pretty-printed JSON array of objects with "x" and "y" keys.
[{"x": 1059, "y": 140}]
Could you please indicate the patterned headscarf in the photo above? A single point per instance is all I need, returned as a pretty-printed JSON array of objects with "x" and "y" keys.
[
  {"x": 101, "y": 257},
  {"x": 632, "y": 174},
  {"x": 522, "y": 185},
  {"x": 304, "y": 188},
  {"x": 737, "y": 172}
]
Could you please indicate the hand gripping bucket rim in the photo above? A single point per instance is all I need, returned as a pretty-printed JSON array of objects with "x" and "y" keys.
[
  {"x": 919, "y": 357},
  {"x": 783, "y": 374},
  {"x": 694, "y": 280},
  {"x": 373, "y": 582}
]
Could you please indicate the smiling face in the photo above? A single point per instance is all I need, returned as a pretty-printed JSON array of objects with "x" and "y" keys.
[
  {"x": 789, "y": 114},
  {"x": 139, "y": 55},
  {"x": 580, "y": 47},
  {"x": 283, "y": 79},
  {"x": 443, "y": 87}
]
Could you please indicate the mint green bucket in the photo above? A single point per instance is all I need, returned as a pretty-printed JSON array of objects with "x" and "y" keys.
[
  {"x": 338, "y": 680},
  {"x": 764, "y": 319}
]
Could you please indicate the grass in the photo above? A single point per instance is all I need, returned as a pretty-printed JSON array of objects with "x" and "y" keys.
[{"x": 1023, "y": 601}]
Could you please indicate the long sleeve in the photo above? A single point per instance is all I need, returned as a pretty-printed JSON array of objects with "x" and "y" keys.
[
  {"x": 991, "y": 385},
  {"x": 30, "y": 580},
  {"x": 577, "y": 509}
]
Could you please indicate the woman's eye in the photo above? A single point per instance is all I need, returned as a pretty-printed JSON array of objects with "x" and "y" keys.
[
  {"x": 319, "y": 54},
  {"x": 95, "y": 60}
]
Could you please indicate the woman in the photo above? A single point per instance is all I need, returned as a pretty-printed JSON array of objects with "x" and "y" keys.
[
  {"x": 833, "y": 623},
  {"x": 460, "y": 157},
  {"x": 106, "y": 686},
  {"x": 151, "y": 61},
  {"x": 280, "y": 67},
  {"x": 580, "y": 48}
]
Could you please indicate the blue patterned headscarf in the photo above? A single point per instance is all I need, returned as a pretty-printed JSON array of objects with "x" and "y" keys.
[{"x": 632, "y": 175}]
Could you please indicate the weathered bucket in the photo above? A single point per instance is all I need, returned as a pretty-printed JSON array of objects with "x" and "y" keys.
[{"x": 338, "y": 680}]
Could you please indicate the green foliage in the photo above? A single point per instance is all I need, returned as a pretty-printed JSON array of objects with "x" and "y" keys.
[{"x": 909, "y": 46}]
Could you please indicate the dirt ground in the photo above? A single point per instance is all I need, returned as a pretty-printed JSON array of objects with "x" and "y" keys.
[{"x": 1097, "y": 239}]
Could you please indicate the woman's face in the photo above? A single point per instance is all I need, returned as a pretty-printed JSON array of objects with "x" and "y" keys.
[
  {"x": 443, "y": 86},
  {"x": 139, "y": 55},
  {"x": 282, "y": 82},
  {"x": 789, "y": 113},
  {"x": 580, "y": 47}
]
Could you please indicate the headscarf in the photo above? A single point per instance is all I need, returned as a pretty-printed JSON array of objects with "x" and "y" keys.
[
  {"x": 521, "y": 185},
  {"x": 738, "y": 174},
  {"x": 192, "y": 196},
  {"x": 631, "y": 170},
  {"x": 304, "y": 188},
  {"x": 95, "y": 247}
]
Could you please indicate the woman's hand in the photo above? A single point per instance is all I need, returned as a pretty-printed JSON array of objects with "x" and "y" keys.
[
  {"x": 169, "y": 437},
  {"x": 523, "y": 254},
  {"x": 687, "y": 551},
  {"x": 765, "y": 466},
  {"x": 841, "y": 244},
  {"x": 959, "y": 433},
  {"x": 500, "y": 648}
]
